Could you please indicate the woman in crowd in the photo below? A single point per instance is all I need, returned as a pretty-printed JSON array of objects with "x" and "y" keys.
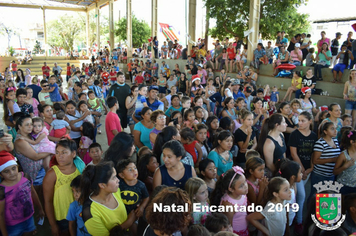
[
  {"x": 46, "y": 112},
  {"x": 334, "y": 114},
  {"x": 28, "y": 156},
  {"x": 284, "y": 109},
  {"x": 271, "y": 143},
  {"x": 75, "y": 120},
  {"x": 308, "y": 104},
  {"x": 344, "y": 57},
  {"x": 323, "y": 40},
  {"x": 323, "y": 61},
  {"x": 350, "y": 96},
  {"x": 143, "y": 129},
  {"x": 32, "y": 101},
  {"x": 259, "y": 115},
  {"x": 282, "y": 58}
]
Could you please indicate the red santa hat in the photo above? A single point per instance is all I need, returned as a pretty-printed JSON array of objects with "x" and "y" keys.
[
  {"x": 6, "y": 160},
  {"x": 195, "y": 77},
  {"x": 305, "y": 90}
]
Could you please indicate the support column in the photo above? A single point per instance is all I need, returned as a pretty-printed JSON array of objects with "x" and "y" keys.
[
  {"x": 97, "y": 14},
  {"x": 129, "y": 28},
  {"x": 111, "y": 24},
  {"x": 254, "y": 23},
  {"x": 45, "y": 31},
  {"x": 154, "y": 24},
  {"x": 87, "y": 33},
  {"x": 192, "y": 22}
]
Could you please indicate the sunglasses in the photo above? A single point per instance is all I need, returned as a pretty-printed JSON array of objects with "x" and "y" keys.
[{"x": 45, "y": 85}]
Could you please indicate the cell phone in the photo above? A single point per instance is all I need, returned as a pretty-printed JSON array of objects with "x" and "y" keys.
[
  {"x": 2, "y": 133},
  {"x": 175, "y": 121},
  {"x": 265, "y": 105}
]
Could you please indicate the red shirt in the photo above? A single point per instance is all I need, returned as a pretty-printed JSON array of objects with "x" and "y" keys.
[
  {"x": 191, "y": 149},
  {"x": 14, "y": 66},
  {"x": 112, "y": 122},
  {"x": 139, "y": 79},
  {"x": 192, "y": 53},
  {"x": 113, "y": 76},
  {"x": 69, "y": 70},
  {"x": 231, "y": 54},
  {"x": 46, "y": 73}
]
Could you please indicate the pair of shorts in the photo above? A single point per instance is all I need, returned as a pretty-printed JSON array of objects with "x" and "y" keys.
[
  {"x": 63, "y": 225},
  {"x": 21, "y": 228},
  {"x": 39, "y": 178},
  {"x": 350, "y": 105},
  {"x": 340, "y": 67},
  {"x": 130, "y": 120},
  {"x": 114, "y": 57},
  {"x": 162, "y": 89}
]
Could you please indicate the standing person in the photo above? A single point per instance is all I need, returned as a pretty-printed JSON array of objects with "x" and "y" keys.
[
  {"x": 112, "y": 121},
  {"x": 335, "y": 48},
  {"x": 323, "y": 60},
  {"x": 45, "y": 71},
  {"x": 323, "y": 40},
  {"x": 155, "y": 47},
  {"x": 57, "y": 70},
  {"x": 350, "y": 96},
  {"x": 301, "y": 144},
  {"x": 14, "y": 68},
  {"x": 120, "y": 90}
]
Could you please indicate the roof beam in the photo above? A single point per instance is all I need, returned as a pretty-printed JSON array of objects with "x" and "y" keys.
[
  {"x": 44, "y": 7},
  {"x": 99, "y": 3}
]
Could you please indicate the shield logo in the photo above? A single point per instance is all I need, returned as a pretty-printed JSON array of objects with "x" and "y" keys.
[{"x": 328, "y": 208}]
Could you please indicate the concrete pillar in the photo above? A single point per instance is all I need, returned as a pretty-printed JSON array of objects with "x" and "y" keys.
[
  {"x": 254, "y": 22},
  {"x": 45, "y": 31},
  {"x": 111, "y": 24},
  {"x": 192, "y": 22},
  {"x": 97, "y": 14},
  {"x": 129, "y": 28},
  {"x": 154, "y": 23},
  {"x": 87, "y": 33}
]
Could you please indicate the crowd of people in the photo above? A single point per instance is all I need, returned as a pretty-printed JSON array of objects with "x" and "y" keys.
[{"x": 194, "y": 138}]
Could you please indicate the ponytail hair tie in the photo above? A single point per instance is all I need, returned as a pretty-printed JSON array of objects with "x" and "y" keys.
[
  {"x": 350, "y": 134},
  {"x": 280, "y": 172}
]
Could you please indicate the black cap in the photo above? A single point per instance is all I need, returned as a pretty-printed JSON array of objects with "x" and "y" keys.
[
  {"x": 338, "y": 33},
  {"x": 260, "y": 90},
  {"x": 248, "y": 89}
]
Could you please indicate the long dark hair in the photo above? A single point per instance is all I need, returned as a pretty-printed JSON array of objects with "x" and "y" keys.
[
  {"x": 164, "y": 136},
  {"x": 210, "y": 130},
  {"x": 143, "y": 172},
  {"x": 88, "y": 130},
  {"x": 92, "y": 176},
  {"x": 20, "y": 78},
  {"x": 120, "y": 148},
  {"x": 268, "y": 125}
]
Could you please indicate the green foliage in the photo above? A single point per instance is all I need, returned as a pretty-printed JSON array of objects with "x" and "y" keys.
[
  {"x": 141, "y": 31},
  {"x": 37, "y": 48},
  {"x": 104, "y": 28},
  {"x": 232, "y": 17},
  {"x": 64, "y": 32},
  {"x": 11, "y": 51}
]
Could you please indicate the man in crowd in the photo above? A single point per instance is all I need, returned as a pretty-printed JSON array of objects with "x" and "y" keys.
[
  {"x": 152, "y": 100},
  {"x": 45, "y": 70}
]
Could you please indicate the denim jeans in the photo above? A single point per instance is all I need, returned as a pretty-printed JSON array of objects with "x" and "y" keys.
[
  {"x": 315, "y": 178},
  {"x": 317, "y": 70},
  {"x": 301, "y": 198}
]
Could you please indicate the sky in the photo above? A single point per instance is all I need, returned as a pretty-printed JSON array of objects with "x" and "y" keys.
[{"x": 171, "y": 12}]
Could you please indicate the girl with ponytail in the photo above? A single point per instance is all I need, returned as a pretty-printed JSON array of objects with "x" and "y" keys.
[{"x": 103, "y": 208}]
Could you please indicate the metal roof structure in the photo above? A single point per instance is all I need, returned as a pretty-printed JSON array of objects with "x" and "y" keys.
[{"x": 67, "y": 5}]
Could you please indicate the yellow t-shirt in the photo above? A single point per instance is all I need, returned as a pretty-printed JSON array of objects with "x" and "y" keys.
[
  {"x": 202, "y": 52},
  {"x": 63, "y": 195},
  {"x": 299, "y": 86},
  {"x": 101, "y": 219}
]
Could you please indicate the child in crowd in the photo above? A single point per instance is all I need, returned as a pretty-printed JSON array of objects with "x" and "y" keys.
[
  {"x": 147, "y": 165},
  {"x": 213, "y": 125},
  {"x": 256, "y": 181},
  {"x": 201, "y": 131},
  {"x": 346, "y": 120},
  {"x": 10, "y": 106},
  {"x": 54, "y": 89},
  {"x": 74, "y": 215},
  {"x": 95, "y": 153},
  {"x": 61, "y": 127},
  {"x": 191, "y": 145},
  {"x": 112, "y": 120},
  {"x": 295, "y": 85},
  {"x": 275, "y": 221},
  {"x": 95, "y": 105},
  {"x": 218, "y": 222},
  {"x": 274, "y": 95},
  {"x": 231, "y": 190},
  {"x": 175, "y": 102},
  {"x": 87, "y": 131},
  {"x": 207, "y": 170},
  {"x": 83, "y": 108},
  {"x": 57, "y": 192},
  {"x": 186, "y": 102},
  {"x": 16, "y": 199},
  {"x": 198, "y": 193},
  {"x": 296, "y": 110},
  {"x": 189, "y": 119},
  {"x": 25, "y": 108},
  {"x": 199, "y": 114},
  {"x": 2, "y": 89},
  {"x": 199, "y": 101},
  {"x": 139, "y": 78},
  {"x": 291, "y": 171},
  {"x": 127, "y": 171}
]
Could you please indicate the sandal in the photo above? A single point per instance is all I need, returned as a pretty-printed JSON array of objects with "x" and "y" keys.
[{"x": 334, "y": 81}]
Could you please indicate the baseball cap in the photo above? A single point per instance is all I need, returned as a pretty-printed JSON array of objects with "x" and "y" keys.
[
  {"x": 248, "y": 89},
  {"x": 153, "y": 87},
  {"x": 235, "y": 82},
  {"x": 260, "y": 90},
  {"x": 338, "y": 33}
]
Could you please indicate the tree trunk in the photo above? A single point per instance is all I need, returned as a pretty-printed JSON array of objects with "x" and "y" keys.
[{"x": 207, "y": 17}]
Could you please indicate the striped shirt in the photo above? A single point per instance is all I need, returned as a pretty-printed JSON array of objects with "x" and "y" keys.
[{"x": 326, "y": 152}]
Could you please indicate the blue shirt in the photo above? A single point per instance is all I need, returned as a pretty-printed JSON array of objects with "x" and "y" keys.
[
  {"x": 139, "y": 104},
  {"x": 55, "y": 95},
  {"x": 75, "y": 214},
  {"x": 156, "y": 105},
  {"x": 221, "y": 164},
  {"x": 259, "y": 54},
  {"x": 145, "y": 134},
  {"x": 237, "y": 95}
]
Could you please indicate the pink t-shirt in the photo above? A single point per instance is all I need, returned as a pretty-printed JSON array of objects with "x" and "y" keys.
[
  {"x": 204, "y": 74},
  {"x": 239, "y": 222},
  {"x": 18, "y": 201},
  {"x": 112, "y": 122},
  {"x": 294, "y": 55},
  {"x": 48, "y": 126}
]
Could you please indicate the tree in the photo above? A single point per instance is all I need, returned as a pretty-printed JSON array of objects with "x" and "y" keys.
[
  {"x": 63, "y": 32},
  {"x": 104, "y": 28},
  {"x": 232, "y": 17},
  {"x": 37, "y": 48},
  {"x": 9, "y": 32},
  {"x": 141, "y": 31}
]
